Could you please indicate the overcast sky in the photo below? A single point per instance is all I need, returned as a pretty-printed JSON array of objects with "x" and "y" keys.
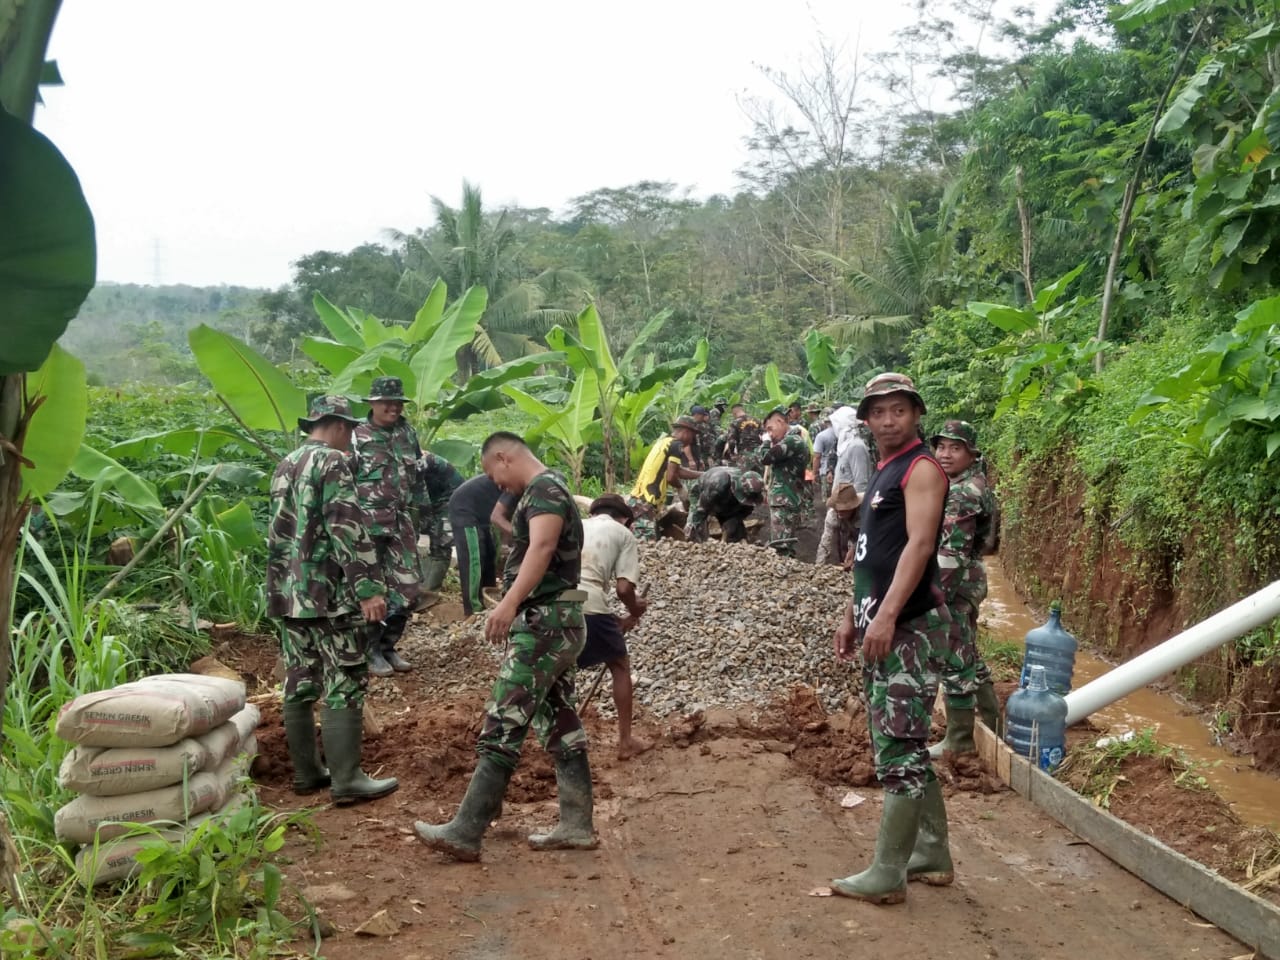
[{"x": 233, "y": 137}]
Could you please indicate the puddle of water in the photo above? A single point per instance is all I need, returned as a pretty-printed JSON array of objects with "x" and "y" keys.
[{"x": 1254, "y": 796}]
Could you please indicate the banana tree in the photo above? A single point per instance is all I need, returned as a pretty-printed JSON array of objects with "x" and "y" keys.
[
  {"x": 48, "y": 264},
  {"x": 569, "y": 429}
]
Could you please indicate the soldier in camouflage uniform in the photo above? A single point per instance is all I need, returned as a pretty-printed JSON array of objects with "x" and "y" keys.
[
  {"x": 541, "y": 619},
  {"x": 439, "y": 478},
  {"x": 965, "y": 529},
  {"x": 704, "y": 441},
  {"x": 739, "y": 444},
  {"x": 323, "y": 584},
  {"x": 386, "y": 464},
  {"x": 896, "y": 621},
  {"x": 729, "y": 495},
  {"x": 787, "y": 456}
]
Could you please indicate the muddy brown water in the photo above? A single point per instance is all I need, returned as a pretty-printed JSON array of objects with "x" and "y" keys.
[{"x": 1254, "y": 796}]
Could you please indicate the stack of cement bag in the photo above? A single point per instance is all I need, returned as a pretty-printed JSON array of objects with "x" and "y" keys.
[{"x": 166, "y": 750}]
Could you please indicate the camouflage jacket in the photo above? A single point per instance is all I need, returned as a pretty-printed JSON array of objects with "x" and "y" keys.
[
  {"x": 439, "y": 479},
  {"x": 742, "y": 436},
  {"x": 387, "y": 479},
  {"x": 320, "y": 560},
  {"x": 965, "y": 525},
  {"x": 717, "y": 493},
  {"x": 546, "y": 494},
  {"x": 789, "y": 458},
  {"x": 704, "y": 445}
]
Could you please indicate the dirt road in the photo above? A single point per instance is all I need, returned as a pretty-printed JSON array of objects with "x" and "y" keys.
[{"x": 708, "y": 850}]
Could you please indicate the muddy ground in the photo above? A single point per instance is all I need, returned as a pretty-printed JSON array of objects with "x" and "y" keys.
[{"x": 711, "y": 846}]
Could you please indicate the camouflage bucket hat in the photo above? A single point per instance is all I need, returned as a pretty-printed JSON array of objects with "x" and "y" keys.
[
  {"x": 720, "y": 403},
  {"x": 752, "y": 486},
  {"x": 961, "y": 431},
  {"x": 686, "y": 421},
  {"x": 885, "y": 384},
  {"x": 386, "y": 388},
  {"x": 327, "y": 406}
]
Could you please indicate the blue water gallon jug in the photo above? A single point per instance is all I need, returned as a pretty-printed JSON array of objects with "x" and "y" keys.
[
  {"x": 1036, "y": 722},
  {"x": 1051, "y": 647}
]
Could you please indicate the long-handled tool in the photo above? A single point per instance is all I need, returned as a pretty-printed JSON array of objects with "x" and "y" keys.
[{"x": 604, "y": 668}]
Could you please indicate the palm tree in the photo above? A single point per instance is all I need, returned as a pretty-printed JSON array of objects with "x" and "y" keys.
[
  {"x": 907, "y": 284},
  {"x": 467, "y": 247}
]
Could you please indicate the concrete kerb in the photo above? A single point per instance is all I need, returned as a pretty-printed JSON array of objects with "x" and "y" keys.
[{"x": 1250, "y": 919}]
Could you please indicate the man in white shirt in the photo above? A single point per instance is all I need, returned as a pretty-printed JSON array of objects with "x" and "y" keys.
[{"x": 610, "y": 556}]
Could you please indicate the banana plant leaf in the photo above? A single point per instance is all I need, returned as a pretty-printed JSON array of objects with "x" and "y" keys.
[
  {"x": 57, "y": 426},
  {"x": 257, "y": 392},
  {"x": 48, "y": 255}
]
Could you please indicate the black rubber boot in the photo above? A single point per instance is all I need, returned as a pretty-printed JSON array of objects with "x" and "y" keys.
[
  {"x": 343, "y": 732},
  {"x": 378, "y": 665},
  {"x": 434, "y": 574},
  {"x": 573, "y": 784},
  {"x": 460, "y": 837},
  {"x": 392, "y": 630},
  {"x": 989, "y": 708},
  {"x": 309, "y": 774},
  {"x": 959, "y": 738},
  {"x": 931, "y": 859},
  {"x": 885, "y": 881}
]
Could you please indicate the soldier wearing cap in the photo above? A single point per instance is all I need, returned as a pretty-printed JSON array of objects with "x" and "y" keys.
[
  {"x": 704, "y": 443},
  {"x": 718, "y": 408},
  {"x": 540, "y": 620},
  {"x": 739, "y": 444},
  {"x": 392, "y": 494},
  {"x": 664, "y": 467},
  {"x": 730, "y": 495},
  {"x": 966, "y": 528},
  {"x": 896, "y": 621},
  {"x": 323, "y": 583},
  {"x": 611, "y": 561},
  {"x": 787, "y": 456}
]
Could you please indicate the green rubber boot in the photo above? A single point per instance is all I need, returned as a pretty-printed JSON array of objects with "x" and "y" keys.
[
  {"x": 460, "y": 837},
  {"x": 573, "y": 785},
  {"x": 433, "y": 575},
  {"x": 885, "y": 881},
  {"x": 989, "y": 708},
  {"x": 343, "y": 732},
  {"x": 931, "y": 859},
  {"x": 959, "y": 738},
  {"x": 309, "y": 774}
]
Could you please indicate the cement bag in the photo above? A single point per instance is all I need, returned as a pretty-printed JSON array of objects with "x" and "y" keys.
[
  {"x": 113, "y": 771},
  {"x": 152, "y": 712},
  {"x": 117, "y": 859},
  {"x": 109, "y": 817},
  {"x": 224, "y": 740}
]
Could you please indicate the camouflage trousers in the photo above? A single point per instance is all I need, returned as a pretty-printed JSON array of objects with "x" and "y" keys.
[
  {"x": 783, "y": 517},
  {"x": 961, "y": 667},
  {"x": 433, "y": 525},
  {"x": 898, "y": 692},
  {"x": 534, "y": 686},
  {"x": 646, "y": 523},
  {"x": 324, "y": 659},
  {"x": 400, "y": 567}
]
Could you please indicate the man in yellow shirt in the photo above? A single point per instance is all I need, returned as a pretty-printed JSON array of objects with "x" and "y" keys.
[{"x": 664, "y": 467}]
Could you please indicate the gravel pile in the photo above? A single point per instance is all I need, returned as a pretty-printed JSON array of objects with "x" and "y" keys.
[
  {"x": 728, "y": 625},
  {"x": 734, "y": 624}
]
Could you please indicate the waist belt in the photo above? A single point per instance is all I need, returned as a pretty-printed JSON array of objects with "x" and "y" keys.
[{"x": 571, "y": 596}]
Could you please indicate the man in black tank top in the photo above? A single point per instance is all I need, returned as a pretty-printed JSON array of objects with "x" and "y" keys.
[{"x": 896, "y": 620}]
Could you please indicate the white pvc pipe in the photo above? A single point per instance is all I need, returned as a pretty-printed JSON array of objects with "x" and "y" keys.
[{"x": 1222, "y": 627}]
